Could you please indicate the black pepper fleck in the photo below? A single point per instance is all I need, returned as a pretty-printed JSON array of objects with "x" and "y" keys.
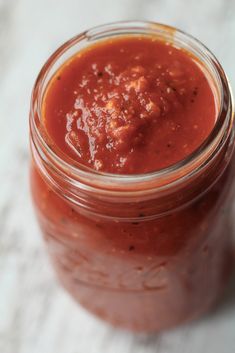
[
  {"x": 131, "y": 248},
  {"x": 135, "y": 223},
  {"x": 141, "y": 215},
  {"x": 63, "y": 220}
]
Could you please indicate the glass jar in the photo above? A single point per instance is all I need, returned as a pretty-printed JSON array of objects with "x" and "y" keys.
[{"x": 144, "y": 252}]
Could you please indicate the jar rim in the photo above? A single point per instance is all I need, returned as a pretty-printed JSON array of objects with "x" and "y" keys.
[{"x": 173, "y": 174}]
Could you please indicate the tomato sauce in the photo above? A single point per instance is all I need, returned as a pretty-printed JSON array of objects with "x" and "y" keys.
[
  {"x": 126, "y": 100},
  {"x": 141, "y": 257}
]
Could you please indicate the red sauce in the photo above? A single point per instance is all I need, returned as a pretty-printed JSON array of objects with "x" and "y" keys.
[
  {"x": 156, "y": 259},
  {"x": 127, "y": 100}
]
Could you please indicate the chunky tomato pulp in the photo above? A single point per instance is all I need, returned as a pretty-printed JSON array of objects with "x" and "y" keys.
[
  {"x": 129, "y": 100},
  {"x": 144, "y": 261}
]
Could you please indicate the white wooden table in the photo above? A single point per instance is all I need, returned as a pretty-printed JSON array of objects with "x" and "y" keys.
[{"x": 36, "y": 315}]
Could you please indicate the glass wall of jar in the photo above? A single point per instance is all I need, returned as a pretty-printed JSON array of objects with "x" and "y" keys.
[{"x": 144, "y": 252}]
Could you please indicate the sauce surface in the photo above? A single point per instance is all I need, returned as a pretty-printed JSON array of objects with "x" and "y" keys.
[{"x": 129, "y": 105}]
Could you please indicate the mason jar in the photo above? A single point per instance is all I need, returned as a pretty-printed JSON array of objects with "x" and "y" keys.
[{"x": 149, "y": 251}]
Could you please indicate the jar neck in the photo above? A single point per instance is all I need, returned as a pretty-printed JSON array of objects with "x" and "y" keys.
[
  {"x": 167, "y": 188},
  {"x": 154, "y": 203}
]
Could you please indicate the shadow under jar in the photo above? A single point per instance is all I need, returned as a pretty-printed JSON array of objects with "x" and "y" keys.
[{"x": 149, "y": 251}]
